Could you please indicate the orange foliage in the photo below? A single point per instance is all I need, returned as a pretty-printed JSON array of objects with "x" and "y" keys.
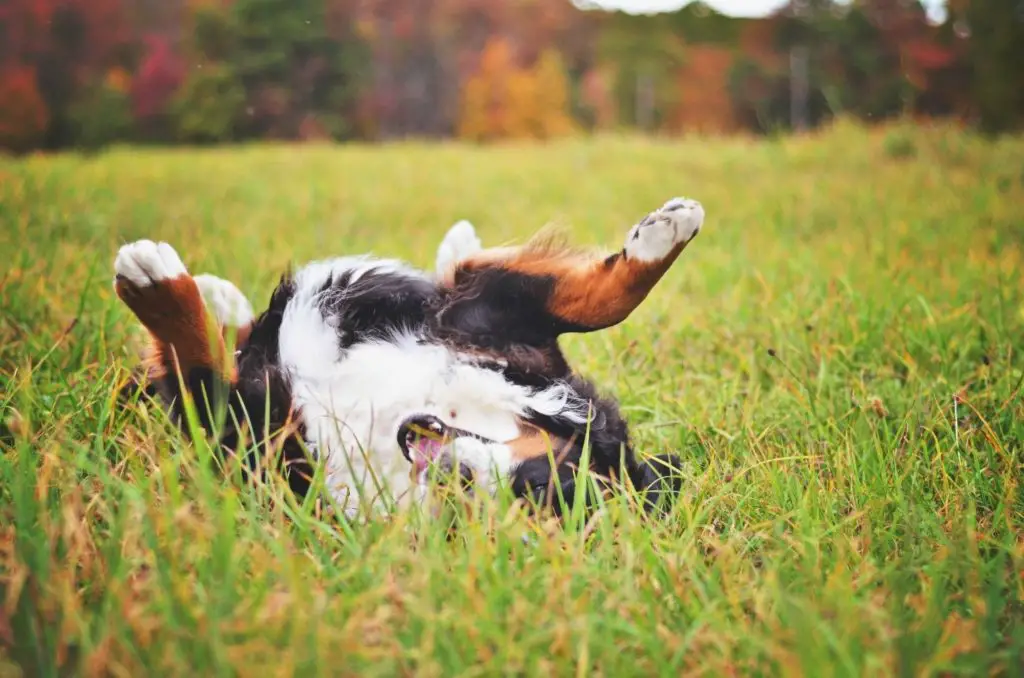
[
  {"x": 118, "y": 80},
  {"x": 704, "y": 103},
  {"x": 23, "y": 115},
  {"x": 757, "y": 42},
  {"x": 505, "y": 101},
  {"x": 485, "y": 97},
  {"x": 551, "y": 96}
]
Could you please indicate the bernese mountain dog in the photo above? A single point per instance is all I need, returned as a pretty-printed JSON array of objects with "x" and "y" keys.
[{"x": 383, "y": 374}]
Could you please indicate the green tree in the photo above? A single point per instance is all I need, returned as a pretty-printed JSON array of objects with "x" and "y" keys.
[
  {"x": 296, "y": 75},
  {"x": 646, "y": 55},
  {"x": 996, "y": 39},
  {"x": 208, "y": 107},
  {"x": 103, "y": 115}
]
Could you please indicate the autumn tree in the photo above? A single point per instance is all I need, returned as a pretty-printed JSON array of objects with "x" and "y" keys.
[
  {"x": 597, "y": 101},
  {"x": 485, "y": 111},
  {"x": 159, "y": 75},
  {"x": 551, "y": 91},
  {"x": 704, "y": 103},
  {"x": 23, "y": 114},
  {"x": 504, "y": 100}
]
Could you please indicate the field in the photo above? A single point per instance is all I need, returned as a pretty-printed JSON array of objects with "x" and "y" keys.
[{"x": 839, "y": 358}]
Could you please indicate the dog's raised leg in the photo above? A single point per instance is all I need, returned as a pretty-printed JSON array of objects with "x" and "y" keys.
[
  {"x": 152, "y": 281},
  {"x": 593, "y": 295},
  {"x": 577, "y": 293}
]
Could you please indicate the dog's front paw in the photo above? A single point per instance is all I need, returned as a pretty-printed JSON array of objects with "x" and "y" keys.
[
  {"x": 145, "y": 263},
  {"x": 227, "y": 303},
  {"x": 677, "y": 223}
]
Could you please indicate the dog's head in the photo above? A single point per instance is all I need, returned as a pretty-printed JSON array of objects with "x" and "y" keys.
[{"x": 541, "y": 466}]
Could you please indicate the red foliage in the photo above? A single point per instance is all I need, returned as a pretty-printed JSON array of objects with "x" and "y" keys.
[
  {"x": 930, "y": 55},
  {"x": 596, "y": 93},
  {"x": 705, "y": 104},
  {"x": 87, "y": 36},
  {"x": 757, "y": 41},
  {"x": 158, "y": 78},
  {"x": 106, "y": 30},
  {"x": 25, "y": 23},
  {"x": 23, "y": 115}
]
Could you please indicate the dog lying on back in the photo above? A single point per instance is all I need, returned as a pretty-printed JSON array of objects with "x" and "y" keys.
[{"x": 383, "y": 374}]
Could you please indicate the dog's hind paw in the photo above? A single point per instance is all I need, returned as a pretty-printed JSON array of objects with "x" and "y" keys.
[
  {"x": 461, "y": 242},
  {"x": 227, "y": 303},
  {"x": 676, "y": 223}
]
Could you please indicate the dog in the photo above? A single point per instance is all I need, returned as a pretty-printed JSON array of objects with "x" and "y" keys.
[{"x": 383, "y": 373}]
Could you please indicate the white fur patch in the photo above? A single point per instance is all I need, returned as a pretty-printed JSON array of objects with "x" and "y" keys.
[
  {"x": 353, "y": 401},
  {"x": 145, "y": 263},
  {"x": 313, "y": 276},
  {"x": 461, "y": 242},
  {"x": 227, "y": 303},
  {"x": 678, "y": 221}
]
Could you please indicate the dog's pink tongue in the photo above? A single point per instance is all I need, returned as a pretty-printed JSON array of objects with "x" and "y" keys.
[{"x": 424, "y": 451}]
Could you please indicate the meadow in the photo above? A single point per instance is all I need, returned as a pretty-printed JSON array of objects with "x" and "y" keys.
[{"x": 837, "y": 357}]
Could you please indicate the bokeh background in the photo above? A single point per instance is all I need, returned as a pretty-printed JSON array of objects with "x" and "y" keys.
[{"x": 87, "y": 73}]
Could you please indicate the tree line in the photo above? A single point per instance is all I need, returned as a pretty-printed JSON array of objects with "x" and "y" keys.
[{"x": 85, "y": 73}]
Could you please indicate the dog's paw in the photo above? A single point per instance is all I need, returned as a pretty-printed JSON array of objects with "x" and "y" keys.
[
  {"x": 145, "y": 263},
  {"x": 227, "y": 303},
  {"x": 459, "y": 243},
  {"x": 676, "y": 223}
]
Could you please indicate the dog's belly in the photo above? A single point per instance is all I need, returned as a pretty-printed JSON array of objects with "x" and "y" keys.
[{"x": 352, "y": 403}]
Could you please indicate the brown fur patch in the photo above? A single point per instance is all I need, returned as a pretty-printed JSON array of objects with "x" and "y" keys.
[
  {"x": 590, "y": 291},
  {"x": 603, "y": 293},
  {"x": 175, "y": 315},
  {"x": 536, "y": 442}
]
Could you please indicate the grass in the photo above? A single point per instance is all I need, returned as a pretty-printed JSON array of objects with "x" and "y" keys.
[{"x": 838, "y": 357}]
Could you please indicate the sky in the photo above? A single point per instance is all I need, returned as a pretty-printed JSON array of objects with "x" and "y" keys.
[{"x": 936, "y": 8}]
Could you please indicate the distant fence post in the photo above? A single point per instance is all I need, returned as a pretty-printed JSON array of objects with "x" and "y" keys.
[{"x": 644, "y": 102}]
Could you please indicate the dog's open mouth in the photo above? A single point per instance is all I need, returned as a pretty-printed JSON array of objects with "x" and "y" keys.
[
  {"x": 422, "y": 439},
  {"x": 426, "y": 441}
]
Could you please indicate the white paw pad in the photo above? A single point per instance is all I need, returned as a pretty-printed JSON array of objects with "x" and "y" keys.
[
  {"x": 146, "y": 263},
  {"x": 459, "y": 243},
  {"x": 677, "y": 222},
  {"x": 227, "y": 303}
]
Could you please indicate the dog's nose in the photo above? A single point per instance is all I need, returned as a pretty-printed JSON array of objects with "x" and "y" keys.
[{"x": 417, "y": 427}]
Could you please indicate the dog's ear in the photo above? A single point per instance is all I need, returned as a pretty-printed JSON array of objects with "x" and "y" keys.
[
  {"x": 535, "y": 481},
  {"x": 659, "y": 481}
]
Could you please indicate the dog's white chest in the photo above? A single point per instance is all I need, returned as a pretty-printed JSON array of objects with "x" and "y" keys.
[{"x": 353, "y": 401}]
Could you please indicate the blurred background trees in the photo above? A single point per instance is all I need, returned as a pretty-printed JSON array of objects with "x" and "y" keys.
[{"x": 92, "y": 72}]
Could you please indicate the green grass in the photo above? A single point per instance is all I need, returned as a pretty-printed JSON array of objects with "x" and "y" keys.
[{"x": 838, "y": 357}]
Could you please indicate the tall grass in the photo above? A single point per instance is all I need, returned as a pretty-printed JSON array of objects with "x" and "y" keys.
[{"x": 837, "y": 357}]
